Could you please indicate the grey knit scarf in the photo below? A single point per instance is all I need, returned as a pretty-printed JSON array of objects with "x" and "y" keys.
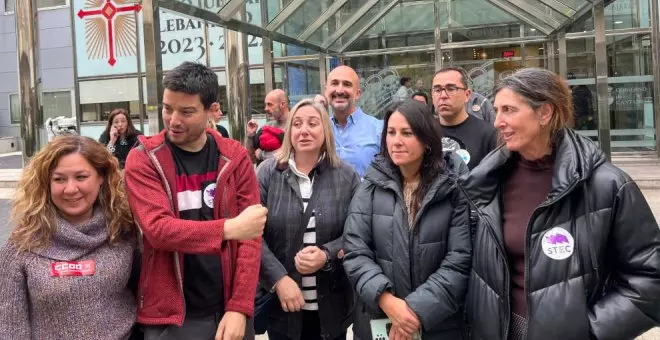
[{"x": 71, "y": 242}]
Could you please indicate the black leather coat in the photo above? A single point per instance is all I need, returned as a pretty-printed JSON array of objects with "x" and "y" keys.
[{"x": 608, "y": 284}]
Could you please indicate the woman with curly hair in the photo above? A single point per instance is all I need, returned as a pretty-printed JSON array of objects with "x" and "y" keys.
[{"x": 68, "y": 262}]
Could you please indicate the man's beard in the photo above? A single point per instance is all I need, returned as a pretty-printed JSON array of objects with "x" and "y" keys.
[
  {"x": 275, "y": 114},
  {"x": 341, "y": 107}
]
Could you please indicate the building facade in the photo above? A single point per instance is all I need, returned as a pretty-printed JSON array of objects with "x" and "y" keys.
[{"x": 90, "y": 60}]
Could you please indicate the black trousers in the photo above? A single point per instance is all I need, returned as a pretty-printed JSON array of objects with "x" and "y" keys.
[
  {"x": 311, "y": 329},
  {"x": 193, "y": 328}
]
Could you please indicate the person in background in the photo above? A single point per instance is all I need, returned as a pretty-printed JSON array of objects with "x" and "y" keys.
[
  {"x": 67, "y": 264},
  {"x": 480, "y": 107},
  {"x": 470, "y": 137},
  {"x": 421, "y": 97},
  {"x": 196, "y": 198},
  {"x": 404, "y": 92},
  {"x": 566, "y": 245},
  {"x": 407, "y": 239},
  {"x": 357, "y": 135},
  {"x": 583, "y": 105},
  {"x": 120, "y": 136},
  {"x": 215, "y": 119},
  {"x": 419, "y": 85},
  {"x": 262, "y": 142},
  {"x": 304, "y": 270}
]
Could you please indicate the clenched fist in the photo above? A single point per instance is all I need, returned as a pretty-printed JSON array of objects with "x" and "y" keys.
[{"x": 248, "y": 225}]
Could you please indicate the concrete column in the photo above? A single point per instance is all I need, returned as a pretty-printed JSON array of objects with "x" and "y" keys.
[
  {"x": 154, "y": 64},
  {"x": 238, "y": 81},
  {"x": 29, "y": 80}
]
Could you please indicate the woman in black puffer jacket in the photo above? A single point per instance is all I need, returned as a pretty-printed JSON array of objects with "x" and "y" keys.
[
  {"x": 566, "y": 246},
  {"x": 407, "y": 238}
]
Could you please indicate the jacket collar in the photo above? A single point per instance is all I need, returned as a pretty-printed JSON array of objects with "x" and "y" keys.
[
  {"x": 576, "y": 158},
  {"x": 322, "y": 165},
  {"x": 385, "y": 175}
]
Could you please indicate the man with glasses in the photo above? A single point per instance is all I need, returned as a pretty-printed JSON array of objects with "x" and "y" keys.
[{"x": 470, "y": 137}]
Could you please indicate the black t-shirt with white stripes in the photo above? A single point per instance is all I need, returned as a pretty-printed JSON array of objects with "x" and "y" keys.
[{"x": 196, "y": 176}]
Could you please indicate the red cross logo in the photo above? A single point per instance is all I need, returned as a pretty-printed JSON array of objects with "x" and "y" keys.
[{"x": 108, "y": 29}]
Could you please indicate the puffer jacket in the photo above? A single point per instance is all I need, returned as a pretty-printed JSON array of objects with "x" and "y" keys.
[
  {"x": 607, "y": 287},
  {"x": 280, "y": 193},
  {"x": 428, "y": 266}
]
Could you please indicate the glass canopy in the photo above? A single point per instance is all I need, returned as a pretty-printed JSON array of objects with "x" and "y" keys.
[{"x": 332, "y": 26}]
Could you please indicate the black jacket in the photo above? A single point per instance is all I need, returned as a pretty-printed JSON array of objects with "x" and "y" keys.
[
  {"x": 428, "y": 266},
  {"x": 121, "y": 150},
  {"x": 280, "y": 193},
  {"x": 609, "y": 286}
]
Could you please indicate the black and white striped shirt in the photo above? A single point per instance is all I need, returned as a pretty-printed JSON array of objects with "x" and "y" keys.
[{"x": 309, "y": 239}]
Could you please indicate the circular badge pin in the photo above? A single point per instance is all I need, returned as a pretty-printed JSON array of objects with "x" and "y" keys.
[
  {"x": 209, "y": 195},
  {"x": 558, "y": 244},
  {"x": 464, "y": 154},
  {"x": 476, "y": 107}
]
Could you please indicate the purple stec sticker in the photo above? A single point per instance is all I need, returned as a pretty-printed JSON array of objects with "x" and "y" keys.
[
  {"x": 557, "y": 239},
  {"x": 209, "y": 195},
  {"x": 211, "y": 192},
  {"x": 558, "y": 243}
]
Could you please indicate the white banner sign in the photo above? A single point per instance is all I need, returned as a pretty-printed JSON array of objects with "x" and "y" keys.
[{"x": 106, "y": 41}]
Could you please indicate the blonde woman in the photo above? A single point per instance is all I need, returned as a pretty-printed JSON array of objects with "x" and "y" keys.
[
  {"x": 307, "y": 190},
  {"x": 68, "y": 262}
]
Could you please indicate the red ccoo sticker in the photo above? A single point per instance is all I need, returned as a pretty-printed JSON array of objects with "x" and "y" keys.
[{"x": 72, "y": 268}]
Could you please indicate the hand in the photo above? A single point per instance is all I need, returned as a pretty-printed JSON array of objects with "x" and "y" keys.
[
  {"x": 257, "y": 153},
  {"x": 252, "y": 127},
  {"x": 399, "y": 313},
  {"x": 310, "y": 259},
  {"x": 289, "y": 294},
  {"x": 113, "y": 134},
  {"x": 231, "y": 327},
  {"x": 397, "y": 333},
  {"x": 340, "y": 254},
  {"x": 248, "y": 225}
]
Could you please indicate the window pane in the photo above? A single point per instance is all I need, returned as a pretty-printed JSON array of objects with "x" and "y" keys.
[
  {"x": 14, "y": 108},
  {"x": 106, "y": 108},
  {"x": 630, "y": 87},
  {"x": 89, "y": 112},
  {"x": 10, "y": 5},
  {"x": 627, "y": 14},
  {"x": 56, "y": 104},
  {"x": 50, "y": 3}
]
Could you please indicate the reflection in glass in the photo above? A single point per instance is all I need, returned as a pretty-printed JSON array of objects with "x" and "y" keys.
[
  {"x": 380, "y": 76},
  {"x": 301, "y": 79},
  {"x": 303, "y": 16},
  {"x": 630, "y": 92}
]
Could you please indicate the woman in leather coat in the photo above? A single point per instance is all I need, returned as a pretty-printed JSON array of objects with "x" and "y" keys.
[{"x": 566, "y": 246}]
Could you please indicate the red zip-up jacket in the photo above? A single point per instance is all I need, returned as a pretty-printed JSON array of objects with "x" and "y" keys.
[{"x": 150, "y": 183}]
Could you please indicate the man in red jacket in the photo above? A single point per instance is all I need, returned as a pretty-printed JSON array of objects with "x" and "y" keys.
[{"x": 195, "y": 197}]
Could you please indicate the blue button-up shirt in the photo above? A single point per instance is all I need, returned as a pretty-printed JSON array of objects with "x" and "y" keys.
[{"x": 359, "y": 140}]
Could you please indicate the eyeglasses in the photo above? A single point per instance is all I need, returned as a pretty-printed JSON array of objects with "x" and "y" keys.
[{"x": 450, "y": 89}]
